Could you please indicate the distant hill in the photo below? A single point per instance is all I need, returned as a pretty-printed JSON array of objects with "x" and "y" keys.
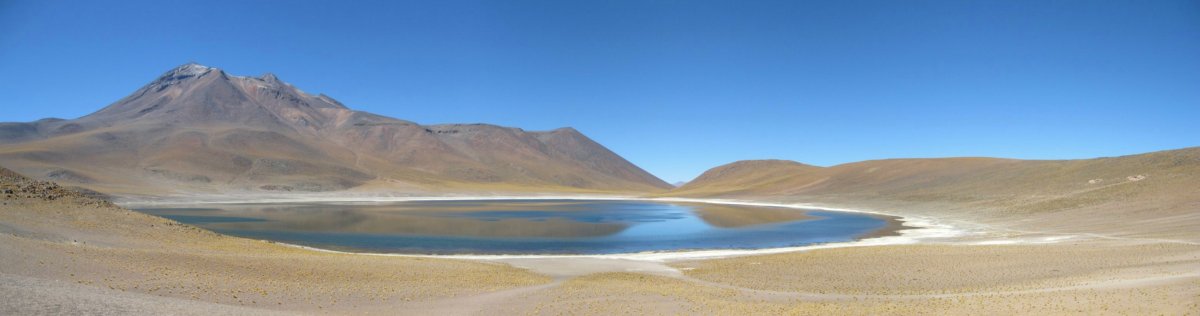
[
  {"x": 1123, "y": 194},
  {"x": 196, "y": 129},
  {"x": 940, "y": 176}
]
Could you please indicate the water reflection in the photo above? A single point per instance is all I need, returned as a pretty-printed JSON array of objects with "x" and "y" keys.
[{"x": 525, "y": 226}]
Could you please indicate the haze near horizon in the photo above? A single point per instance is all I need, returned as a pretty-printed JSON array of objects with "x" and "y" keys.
[{"x": 674, "y": 87}]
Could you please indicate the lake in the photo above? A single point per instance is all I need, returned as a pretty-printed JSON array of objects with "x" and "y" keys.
[{"x": 527, "y": 226}]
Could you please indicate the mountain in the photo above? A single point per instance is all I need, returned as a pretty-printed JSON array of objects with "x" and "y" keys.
[
  {"x": 1121, "y": 194},
  {"x": 197, "y": 129}
]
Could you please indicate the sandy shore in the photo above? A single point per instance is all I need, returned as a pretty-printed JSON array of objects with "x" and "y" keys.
[{"x": 69, "y": 255}]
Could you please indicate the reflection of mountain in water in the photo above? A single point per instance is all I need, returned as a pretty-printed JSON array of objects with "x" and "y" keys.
[{"x": 552, "y": 226}]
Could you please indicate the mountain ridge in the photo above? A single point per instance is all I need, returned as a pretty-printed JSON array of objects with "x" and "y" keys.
[{"x": 200, "y": 129}]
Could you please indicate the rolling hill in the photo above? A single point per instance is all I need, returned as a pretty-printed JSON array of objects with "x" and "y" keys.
[{"x": 1141, "y": 194}]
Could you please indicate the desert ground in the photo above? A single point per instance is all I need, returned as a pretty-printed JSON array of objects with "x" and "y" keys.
[{"x": 66, "y": 253}]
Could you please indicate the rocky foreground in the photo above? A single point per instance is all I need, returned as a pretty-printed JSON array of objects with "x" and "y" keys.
[{"x": 63, "y": 252}]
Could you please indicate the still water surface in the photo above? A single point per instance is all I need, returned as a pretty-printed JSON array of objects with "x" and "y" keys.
[{"x": 526, "y": 226}]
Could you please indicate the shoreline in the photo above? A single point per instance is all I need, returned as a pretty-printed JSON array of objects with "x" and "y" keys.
[
  {"x": 134, "y": 257},
  {"x": 901, "y": 230}
]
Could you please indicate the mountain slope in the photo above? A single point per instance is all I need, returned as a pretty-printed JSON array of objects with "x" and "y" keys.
[
  {"x": 948, "y": 177},
  {"x": 196, "y": 129},
  {"x": 1145, "y": 193}
]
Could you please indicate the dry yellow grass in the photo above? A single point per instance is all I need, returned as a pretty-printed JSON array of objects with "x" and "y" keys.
[
  {"x": 635, "y": 294},
  {"x": 947, "y": 269},
  {"x": 1153, "y": 195},
  {"x": 112, "y": 253},
  {"x": 121, "y": 250}
]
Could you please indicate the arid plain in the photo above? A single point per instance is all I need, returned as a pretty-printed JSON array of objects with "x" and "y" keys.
[{"x": 68, "y": 253}]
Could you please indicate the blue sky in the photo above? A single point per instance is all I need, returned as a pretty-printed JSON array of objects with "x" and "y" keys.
[{"x": 676, "y": 87}]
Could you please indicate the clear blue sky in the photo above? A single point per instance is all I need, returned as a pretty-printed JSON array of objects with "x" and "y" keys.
[{"x": 674, "y": 86}]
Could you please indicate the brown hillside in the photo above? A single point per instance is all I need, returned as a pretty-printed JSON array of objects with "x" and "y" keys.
[
  {"x": 196, "y": 129},
  {"x": 1137, "y": 194}
]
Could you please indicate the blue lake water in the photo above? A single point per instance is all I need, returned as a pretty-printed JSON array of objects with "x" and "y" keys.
[{"x": 527, "y": 226}]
